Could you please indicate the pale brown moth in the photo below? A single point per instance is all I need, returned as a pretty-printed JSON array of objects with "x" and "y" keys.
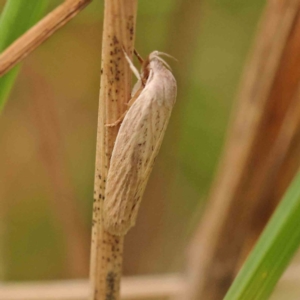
[{"x": 138, "y": 142}]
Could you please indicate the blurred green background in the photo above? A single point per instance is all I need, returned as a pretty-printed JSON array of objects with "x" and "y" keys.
[{"x": 48, "y": 137}]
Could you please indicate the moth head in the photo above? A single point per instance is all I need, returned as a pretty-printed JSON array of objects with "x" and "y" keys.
[{"x": 157, "y": 55}]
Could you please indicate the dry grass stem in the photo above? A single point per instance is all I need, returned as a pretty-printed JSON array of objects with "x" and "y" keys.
[
  {"x": 39, "y": 33},
  {"x": 245, "y": 182},
  {"x": 115, "y": 90},
  {"x": 63, "y": 201}
]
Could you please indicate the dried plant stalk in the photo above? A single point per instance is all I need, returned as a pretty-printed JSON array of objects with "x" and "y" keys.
[
  {"x": 115, "y": 90},
  {"x": 277, "y": 140},
  {"x": 62, "y": 195},
  {"x": 253, "y": 156},
  {"x": 35, "y": 36}
]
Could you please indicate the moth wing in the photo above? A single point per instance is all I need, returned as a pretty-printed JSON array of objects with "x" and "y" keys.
[
  {"x": 136, "y": 147},
  {"x": 151, "y": 144},
  {"x": 122, "y": 176}
]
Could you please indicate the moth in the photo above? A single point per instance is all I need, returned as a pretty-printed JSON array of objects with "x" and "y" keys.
[{"x": 138, "y": 142}]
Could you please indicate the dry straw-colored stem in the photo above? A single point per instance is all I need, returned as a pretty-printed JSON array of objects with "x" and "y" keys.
[
  {"x": 35, "y": 36},
  {"x": 250, "y": 180},
  {"x": 115, "y": 89},
  {"x": 63, "y": 201}
]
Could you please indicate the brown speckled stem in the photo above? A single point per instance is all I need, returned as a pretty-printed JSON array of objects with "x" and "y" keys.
[{"x": 115, "y": 88}]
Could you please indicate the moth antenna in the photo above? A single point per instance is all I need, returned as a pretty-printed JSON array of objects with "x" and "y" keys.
[
  {"x": 164, "y": 62},
  {"x": 131, "y": 65},
  {"x": 138, "y": 56},
  {"x": 157, "y": 55},
  {"x": 166, "y": 54}
]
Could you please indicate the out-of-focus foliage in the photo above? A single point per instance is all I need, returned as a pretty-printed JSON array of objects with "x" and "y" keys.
[
  {"x": 16, "y": 18},
  {"x": 60, "y": 82}
]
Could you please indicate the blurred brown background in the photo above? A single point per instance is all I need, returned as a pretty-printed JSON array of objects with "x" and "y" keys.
[{"x": 48, "y": 136}]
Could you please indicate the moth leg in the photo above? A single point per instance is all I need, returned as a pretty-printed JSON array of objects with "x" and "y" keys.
[
  {"x": 128, "y": 104},
  {"x": 131, "y": 65},
  {"x": 131, "y": 101},
  {"x": 134, "y": 97},
  {"x": 138, "y": 57},
  {"x": 117, "y": 122}
]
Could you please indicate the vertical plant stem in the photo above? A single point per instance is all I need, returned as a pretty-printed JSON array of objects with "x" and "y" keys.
[
  {"x": 63, "y": 200},
  {"x": 115, "y": 88},
  {"x": 253, "y": 156},
  {"x": 17, "y": 17}
]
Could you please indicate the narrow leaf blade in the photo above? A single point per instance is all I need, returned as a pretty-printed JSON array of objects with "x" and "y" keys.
[{"x": 273, "y": 251}]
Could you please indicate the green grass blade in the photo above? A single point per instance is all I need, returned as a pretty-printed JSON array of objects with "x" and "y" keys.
[
  {"x": 273, "y": 251},
  {"x": 17, "y": 17}
]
